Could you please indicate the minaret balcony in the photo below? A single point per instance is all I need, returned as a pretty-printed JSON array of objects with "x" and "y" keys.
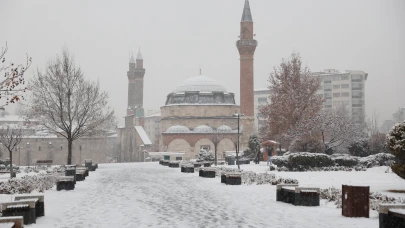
[{"x": 249, "y": 43}]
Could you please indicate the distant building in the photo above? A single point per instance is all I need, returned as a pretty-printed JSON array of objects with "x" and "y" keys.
[
  {"x": 386, "y": 126},
  {"x": 399, "y": 115},
  {"x": 345, "y": 89},
  {"x": 261, "y": 97},
  {"x": 152, "y": 127}
]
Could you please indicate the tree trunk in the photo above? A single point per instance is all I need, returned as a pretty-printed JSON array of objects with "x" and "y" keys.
[
  {"x": 70, "y": 145},
  {"x": 11, "y": 163}
]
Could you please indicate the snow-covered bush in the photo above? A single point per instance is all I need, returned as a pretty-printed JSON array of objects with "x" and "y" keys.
[
  {"x": 396, "y": 145},
  {"x": 205, "y": 155},
  {"x": 332, "y": 195},
  {"x": 345, "y": 160},
  {"x": 377, "y": 160},
  {"x": 304, "y": 160},
  {"x": 280, "y": 160},
  {"x": 359, "y": 148},
  {"x": 27, "y": 184}
]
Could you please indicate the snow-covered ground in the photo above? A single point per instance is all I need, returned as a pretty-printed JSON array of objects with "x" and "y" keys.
[{"x": 151, "y": 195}]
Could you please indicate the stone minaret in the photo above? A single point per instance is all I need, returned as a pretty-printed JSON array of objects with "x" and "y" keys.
[
  {"x": 246, "y": 47},
  {"x": 135, "y": 86}
]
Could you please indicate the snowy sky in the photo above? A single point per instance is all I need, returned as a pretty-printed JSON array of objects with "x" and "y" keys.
[{"x": 178, "y": 36}]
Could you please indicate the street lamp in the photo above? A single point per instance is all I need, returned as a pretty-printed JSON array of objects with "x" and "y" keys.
[{"x": 237, "y": 148}]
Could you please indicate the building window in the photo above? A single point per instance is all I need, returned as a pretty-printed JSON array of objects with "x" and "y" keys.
[
  {"x": 345, "y": 77},
  {"x": 357, "y": 86},
  {"x": 336, "y": 86},
  {"x": 345, "y": 86},
  {"x": 61, "y": 147},
  {"x": 357, "y": 78},
  {"x": 262, "y": 99},
  {"x": 336, "y": 94},
  {"x": 346, "y": 94},
  {"x": 39, "y": 148},
  {"x": 335, "y": 78}
]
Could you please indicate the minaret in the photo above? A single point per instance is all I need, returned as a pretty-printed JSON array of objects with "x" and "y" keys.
[
  {"x": 246, "y": 47},
  {"x": 135, "y": 86}
]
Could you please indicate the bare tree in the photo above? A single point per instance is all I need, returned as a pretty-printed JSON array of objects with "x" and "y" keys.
[
  {"x": 293, "y": 99},
  {"x": 12, "y": 84},
  {"x": 372, "y": 124},
  {"x": 10, "y": 137},
  {"x": 68, "y": 104}
]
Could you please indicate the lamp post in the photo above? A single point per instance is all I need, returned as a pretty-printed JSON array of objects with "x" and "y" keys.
[
  {"x": 237, "y": 148},
  {"x": 19, "y": 156},
  {"x": 143, "y": 153}
]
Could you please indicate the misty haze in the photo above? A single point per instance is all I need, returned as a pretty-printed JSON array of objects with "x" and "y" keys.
[{"x": 215, "y": 113}]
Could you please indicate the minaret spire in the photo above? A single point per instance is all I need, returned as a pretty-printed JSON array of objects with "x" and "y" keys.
[
  {"x": 139, "y": 56},
  {"x": 132, "y": 59},
  {"x": 247, "y": 15}
]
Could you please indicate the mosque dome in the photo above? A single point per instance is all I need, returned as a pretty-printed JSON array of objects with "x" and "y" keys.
[
  {"x": 199, "y": 83},
  {"x": 200, "y": 90},
  {"x": 203, "y": 129},
  {"x": 178, "y": 129},
  {"x": 224, "y": 129}
]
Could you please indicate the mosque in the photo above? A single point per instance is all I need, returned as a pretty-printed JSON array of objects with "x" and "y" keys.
[{"x": 199, "y": 113}]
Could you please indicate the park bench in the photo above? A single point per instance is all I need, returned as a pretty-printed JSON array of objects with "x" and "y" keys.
[
  {"x": 39, "y": 204},
  {"x": 88, "y": 163},
  {"x": 392, "y": 215},
  {"x": 174, "y": 164},
  {"x": 65, "y": 183},
  {"x": 207, "y": 172},
  {"x": 44, "y": 163},
  {"x": 70, "y": 170},
  {"x": 298, "y": 196},
  {"x": 80, "y": 175},
  {"x": 231, "y": 178},
  {"x": 4, "y": 171},
  {"x": 25, "y": 208},
  {"x": 86, "y": 173},
  {"x": 165, "y": 162},
  {"x": 188, "y": 168},
  {"x": 12, "y": 221}
]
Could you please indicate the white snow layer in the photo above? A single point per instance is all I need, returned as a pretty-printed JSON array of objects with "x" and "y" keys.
[{"x": 149, "y": 195}]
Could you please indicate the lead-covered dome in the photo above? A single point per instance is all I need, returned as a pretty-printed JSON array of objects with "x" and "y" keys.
[
  {"x": 203, "y": 129},
  {"x": 199, "y": 83},
  {"x": 200, "y": 90},
  {"x": 178, "y": 129},
  {"x": 224, "y": 129}
]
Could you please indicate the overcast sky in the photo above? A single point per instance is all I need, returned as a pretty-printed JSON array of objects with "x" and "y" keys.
[{"x": 178, "y": 36}]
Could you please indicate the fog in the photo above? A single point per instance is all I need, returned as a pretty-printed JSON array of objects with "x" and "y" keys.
[{"x": 179, "y": 37}]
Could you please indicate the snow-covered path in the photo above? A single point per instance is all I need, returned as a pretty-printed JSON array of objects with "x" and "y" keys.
[{"x": 150, "y": 195}]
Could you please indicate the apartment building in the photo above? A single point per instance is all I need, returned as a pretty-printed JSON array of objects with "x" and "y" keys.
[
  {"x": 344, "y": 89},
  {"x": 261, "y": 97}
]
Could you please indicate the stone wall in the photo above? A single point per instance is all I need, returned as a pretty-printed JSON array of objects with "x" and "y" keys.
[{"x": 32, "y": 149}]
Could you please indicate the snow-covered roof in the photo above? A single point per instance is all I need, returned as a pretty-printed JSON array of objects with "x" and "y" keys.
[
  {"x": 199, "y": 83},
  {"x": 178, "y": 129},
  {"x": 165, "y": 153},
  {"x": 142, "y": 134},
  {"x": 203, "y": 129}
]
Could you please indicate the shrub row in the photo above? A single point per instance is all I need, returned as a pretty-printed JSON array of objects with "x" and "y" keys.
[{"x": 304, "y": 161}]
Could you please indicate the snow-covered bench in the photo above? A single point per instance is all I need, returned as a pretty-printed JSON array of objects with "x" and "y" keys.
[
  {"x": 299, "y": 196},
  {"x": 24, "y": 208},
  {"x": 233, "y": 178},
  {"x": 70, "y": 170},
  {"x": 80, "y": 174},
  {"x": 12, "y": 221},
  {"x": 86, "y": 170},
  {"x": 187, "y": 168},
  {"x": 66, "y": 183},
  {"x": 207, "y": 172},
  {"x": 392, "y": 215},
  {"x": 174, "y": 164},
  {"x": 39, "y": 205},
  {"x": 165, "y": 162},
  {"x": 44, "y": 162}
]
